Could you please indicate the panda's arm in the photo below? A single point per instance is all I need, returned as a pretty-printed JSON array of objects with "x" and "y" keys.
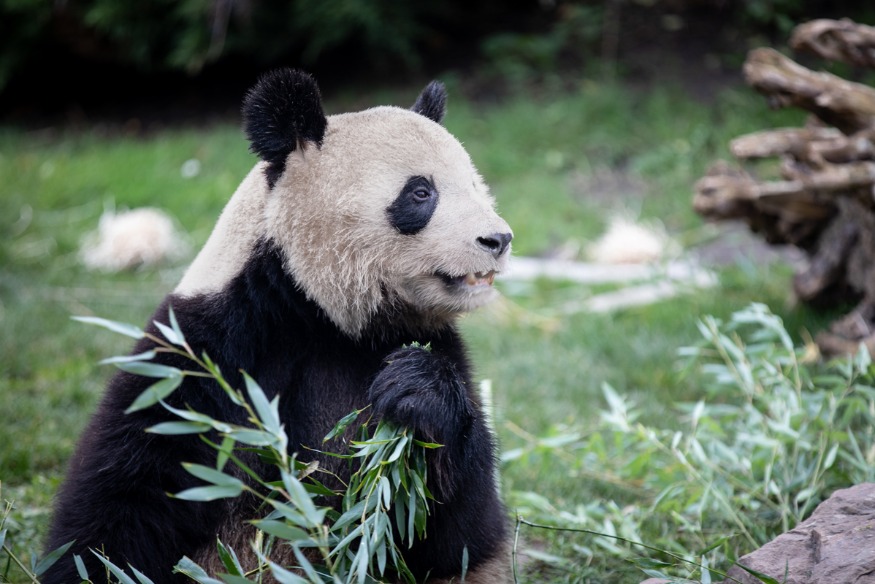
[
  {"x": 429, "y": 392},
  {"x": 115, "y": 497},
  {"x": 425, "y": 391}
]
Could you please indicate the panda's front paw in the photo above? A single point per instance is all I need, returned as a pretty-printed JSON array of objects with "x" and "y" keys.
[{"x": 423, "y": 391}]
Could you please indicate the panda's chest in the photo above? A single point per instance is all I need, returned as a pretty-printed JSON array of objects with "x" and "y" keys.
[{"x": 326, "y": 384}]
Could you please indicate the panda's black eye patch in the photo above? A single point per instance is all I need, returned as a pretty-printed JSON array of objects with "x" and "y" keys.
[{"x": 412, "y": 209}]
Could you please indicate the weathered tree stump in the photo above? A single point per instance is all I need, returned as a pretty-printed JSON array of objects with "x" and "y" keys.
[
  {"x": 837, "y": 40},
  {"x": 823, "y": 199}
]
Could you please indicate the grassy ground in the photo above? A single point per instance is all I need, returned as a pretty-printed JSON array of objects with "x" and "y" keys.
[{"x": 546, "y": 161}]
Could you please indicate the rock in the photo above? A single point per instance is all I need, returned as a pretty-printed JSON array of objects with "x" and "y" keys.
[{"x": 836, "y": 545}]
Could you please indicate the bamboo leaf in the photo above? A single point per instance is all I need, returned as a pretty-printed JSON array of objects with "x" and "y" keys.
[
  {"x": 830, "y": 458},
  {"x": 149, "y": 369},
  {"x": 252, "y": 437},
  {"x": 174, "y": 324},
  {"x": 862, "y": 359},
  {"x": 400, "y": 522},
  {"x": 380, "y": 527},
  {"x": 361, "y": 561},
  {"x": 343, "y": 544},
  {"x": 380, "y": 552},
  {"x": 229, "y": 559},
  {"x": 268, "y": 412},
  {"x": 128, "y": 358},
  {"x": 216, "y": 372},
  {"x": 141, "y": 577},
  {"x": 429, "y": 445},
  {"x": 342, "y": 425},
  {"x": 189, "y": 568},
  {"x": 386, "y": 490},
  {"x": 175, "y": 428},
  {"x": 354, "y": 513},
  {"x": 212, "y": 475},
  {"x": 198, "y": 417},
  {"x": 231, "y": 579},
  {"x": 302, "y": 500},
  {"x": 169, "y": 333},
  {"x": 282, "y": 530},
  {"x": 284, "y": 576},
  {"x": 651, "y": 563},
  {"x": 288, "y": 512},
  {"x": 399, "y": 449},
  {"x": 128, "y": 330},
  {"x": 804, "y": 494},
  {"x": 411, "y": 517},
  {"x": 50, "y": 558},
  {"x": 80, "y": 568},
  {"x": 715, "y": 545},
  {"x": 226, "y": 450},
  {"x": 116, "y": 571},
  {"x": 155, "y": 393},
  {"x": 765, "y": 578},
  {"x": 210, "y": 493},
  {"x": 656, "y": 574},
  {"x": 305, "y": 565},
  {"x": 315, "y": 487}
]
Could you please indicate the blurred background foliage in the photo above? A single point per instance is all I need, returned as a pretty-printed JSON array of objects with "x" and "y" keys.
[{"x": 87, "y": 49}]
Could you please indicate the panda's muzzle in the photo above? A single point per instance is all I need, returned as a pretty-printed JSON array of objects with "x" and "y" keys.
[{"x": 497, "y": 245}]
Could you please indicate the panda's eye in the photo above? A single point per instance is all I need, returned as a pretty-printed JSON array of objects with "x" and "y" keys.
[{"x": 412, "y": 209}]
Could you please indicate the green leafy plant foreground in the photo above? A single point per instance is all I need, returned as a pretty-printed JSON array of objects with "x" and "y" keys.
[{"x": 776, "y": 432}]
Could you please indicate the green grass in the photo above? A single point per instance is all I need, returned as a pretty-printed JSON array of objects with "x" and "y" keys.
[{"x": 538, "y": 156}]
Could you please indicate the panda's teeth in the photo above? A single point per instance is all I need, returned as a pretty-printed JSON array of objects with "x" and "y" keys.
[{"x": 473, "y": 279}]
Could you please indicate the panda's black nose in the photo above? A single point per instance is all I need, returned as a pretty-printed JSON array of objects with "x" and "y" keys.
[{"x": 496, "y": 244}]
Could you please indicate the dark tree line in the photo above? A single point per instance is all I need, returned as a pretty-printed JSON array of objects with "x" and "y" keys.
[{"x": 58, "y": 46}]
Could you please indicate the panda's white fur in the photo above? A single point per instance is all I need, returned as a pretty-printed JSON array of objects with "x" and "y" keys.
[
  {"x": 338, "y": 243},
  {"x": 231, "y": 241}
]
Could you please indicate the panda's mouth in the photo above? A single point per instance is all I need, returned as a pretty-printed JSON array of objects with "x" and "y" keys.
[{"x": 469, "y": 280}]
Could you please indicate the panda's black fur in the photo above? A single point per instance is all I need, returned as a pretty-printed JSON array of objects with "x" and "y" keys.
[{"x": 262, "y": 321}]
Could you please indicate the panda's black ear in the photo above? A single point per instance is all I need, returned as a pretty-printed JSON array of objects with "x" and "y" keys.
[
  {"x": 281, "y": 113},
  {"x": 432, "y": 102}
]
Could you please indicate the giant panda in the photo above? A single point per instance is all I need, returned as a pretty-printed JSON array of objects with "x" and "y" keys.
[{"x": 334, "y": 276}]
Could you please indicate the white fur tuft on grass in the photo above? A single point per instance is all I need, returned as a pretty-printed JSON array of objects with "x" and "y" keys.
[
  {"x": 129, "y": 239},
  {"x": 628, "y": 242}
]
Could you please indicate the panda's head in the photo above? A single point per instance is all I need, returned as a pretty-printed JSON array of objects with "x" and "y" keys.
[{"x": 376, "y": 212}]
